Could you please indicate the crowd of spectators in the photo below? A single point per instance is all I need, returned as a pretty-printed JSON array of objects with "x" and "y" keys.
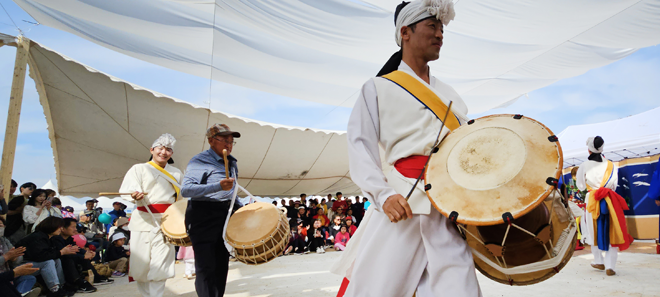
[
  {"x": 47, "y": 249},
  {"x": 319, "y": 225}
]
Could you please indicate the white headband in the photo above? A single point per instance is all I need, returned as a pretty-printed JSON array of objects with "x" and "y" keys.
[
  {"x": 592, "y": 146},
  {"x": 166, "y": 140},
  {"x": 418, "y": 10}
]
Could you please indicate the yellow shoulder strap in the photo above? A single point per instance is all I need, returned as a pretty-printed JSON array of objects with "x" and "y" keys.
[
  {"x": 608, "y": 173},
  {"x": 163, "y": 171},
  {"x": 424, "y": 95}
]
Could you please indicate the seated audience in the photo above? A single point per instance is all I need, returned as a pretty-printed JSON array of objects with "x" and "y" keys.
[
  {"x": 316, "y": 237},
  {"x": 43, "y": 254},
  {"x": 349, "y": 226},
  {"x": 296, "y": 242},
  {"x": 117, "y": 256},
  {"x": 341, "y": 240},
  {"x": 7, "y": 289},
  {"x": 83, "y": 258},
  {"x": 334, "y": 229},
  {"x": 321, "y": 217},
  {"x": 38, "y": 208},
  {"x": 10, "y": 258}
]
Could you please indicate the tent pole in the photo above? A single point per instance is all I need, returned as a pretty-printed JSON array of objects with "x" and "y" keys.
[{"x": 14, "y": 114}]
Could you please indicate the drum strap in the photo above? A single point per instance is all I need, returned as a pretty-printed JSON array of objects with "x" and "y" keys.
[
  {"x": 424, "y": 95},
  {"x": 170, "y": 179}
]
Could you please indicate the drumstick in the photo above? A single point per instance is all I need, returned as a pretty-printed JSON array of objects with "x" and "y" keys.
[
  {"x": 116, "y": 194},
  {"x": 436, "y": 144},
  {"x": 224, "y": 155}
]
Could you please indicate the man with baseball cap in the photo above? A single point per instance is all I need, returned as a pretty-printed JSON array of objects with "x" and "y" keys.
[{"x": 210, "y": 187}]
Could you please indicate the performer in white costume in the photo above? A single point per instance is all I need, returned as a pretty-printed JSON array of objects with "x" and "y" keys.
[
  {"x": 152, "y": 259},
  {"x": 405, "y": 246},
  {"x": 591, "y": 175}
]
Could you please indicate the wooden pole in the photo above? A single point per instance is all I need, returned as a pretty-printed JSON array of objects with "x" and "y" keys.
[{"x": 14, "y": 113}]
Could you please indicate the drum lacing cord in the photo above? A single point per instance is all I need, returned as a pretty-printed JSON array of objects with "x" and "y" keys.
[
  {"x": 550, "y": 255},
  {"x": 561, "y": 241}
]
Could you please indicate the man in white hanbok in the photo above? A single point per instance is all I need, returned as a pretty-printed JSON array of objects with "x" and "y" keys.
[
  {"x": 591, "y": 175},
  {"x": 404, "y": 246},
  {"x": 154, "y": 186}
]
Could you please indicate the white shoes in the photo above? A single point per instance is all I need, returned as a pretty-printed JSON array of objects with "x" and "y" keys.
[{"x": 320, "y": 250}]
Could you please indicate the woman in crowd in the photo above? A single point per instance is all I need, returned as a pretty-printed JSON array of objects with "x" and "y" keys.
[
  {"x": 316, "y": 237},
  {"x": 38, "y": 208},
  {"x": 43, "y": 254},
  {"x": 325, "y": 222},
  {"x": 10, "y": 258},
  {"x": 302, "y": 217}
]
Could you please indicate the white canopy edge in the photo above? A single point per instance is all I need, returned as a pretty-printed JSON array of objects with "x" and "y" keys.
[
  {"x": 630, "y": 137},
  {"x": 99, "y": 126},
  {"x": 493, "y": 52}
]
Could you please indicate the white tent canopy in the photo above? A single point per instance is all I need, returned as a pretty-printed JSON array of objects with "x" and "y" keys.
[
  {"x": 630, "y": 137},
  {"x": 323, "y": 51},
  {"x": 99, "y": 126}
]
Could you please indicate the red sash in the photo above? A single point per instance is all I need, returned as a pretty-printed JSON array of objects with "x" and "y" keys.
[
  {"x": 155, "y": 208},
  {"x": 411, "y": 167}
]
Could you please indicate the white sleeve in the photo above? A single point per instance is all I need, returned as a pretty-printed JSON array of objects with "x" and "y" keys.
[
  {"x": 30, "y": 214},
  {"x": 132, "y": 182},
  {"x": 363, "y": 155},
  {"x": 581, "y": 179}
]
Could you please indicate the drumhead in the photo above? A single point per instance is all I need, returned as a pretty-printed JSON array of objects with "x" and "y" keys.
[
  {"x": 252, "y": 223},
  {"x": 173, "y": 223},
  {"x": 494, "y": 165}
]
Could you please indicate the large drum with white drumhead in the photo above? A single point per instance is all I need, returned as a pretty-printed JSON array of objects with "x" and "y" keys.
[
  {"x": 496, "y": 178},
  {"x": 258, "y": 232}
]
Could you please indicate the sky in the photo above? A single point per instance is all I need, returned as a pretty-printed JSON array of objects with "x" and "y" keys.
[{"x": 623, "y": 88}]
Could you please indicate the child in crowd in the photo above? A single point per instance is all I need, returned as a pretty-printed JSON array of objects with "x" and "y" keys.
[
  {"x": 117, "y": 256},
  {"x": 349, "y": 226},
  {"x": 187, "y": 254},
  {"x": 341, "y": 239}
]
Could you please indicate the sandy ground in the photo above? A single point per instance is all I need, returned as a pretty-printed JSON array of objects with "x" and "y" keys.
[{"x": 637, "y": 275}]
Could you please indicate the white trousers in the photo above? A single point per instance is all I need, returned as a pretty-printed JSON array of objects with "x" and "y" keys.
[
  {"x": 190, "y": 266},
  {"x": 424, "y": 253},
  {"x": 151, "y": 289},
  {"x": 610, "y": 256},
  {"x": 152, "y": 260}
]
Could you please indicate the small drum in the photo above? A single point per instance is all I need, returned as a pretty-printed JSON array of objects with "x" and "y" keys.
[
  {"x": 173, "y": 224},
  {"x": 496, "y": 179},
  {"x": 259, "y": 232}
]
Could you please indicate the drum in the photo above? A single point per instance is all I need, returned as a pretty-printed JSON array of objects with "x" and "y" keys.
[
  {"x": 258, "y": 232},
  {"x": 173, "y": 224},
  {"x": 496, "y": 179}
]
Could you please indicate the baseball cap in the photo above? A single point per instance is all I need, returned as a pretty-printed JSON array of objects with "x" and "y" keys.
[{"x": 221, "y": 129}]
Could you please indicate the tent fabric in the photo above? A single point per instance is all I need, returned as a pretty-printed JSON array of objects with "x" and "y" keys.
[
  {"x": 631, "y": 137},
  {"x": 323, "y": 51},
  {"x": 99, "y": 126}
]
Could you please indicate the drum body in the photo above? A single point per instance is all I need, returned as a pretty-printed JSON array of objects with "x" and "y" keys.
[
  {"x": 173, "y": 224},
  {"x": 496, "y": 179},
  {"x": 259, "y": 233}
]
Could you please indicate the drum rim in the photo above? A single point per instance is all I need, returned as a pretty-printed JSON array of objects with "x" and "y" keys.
[{"x": 522, "y": 212}]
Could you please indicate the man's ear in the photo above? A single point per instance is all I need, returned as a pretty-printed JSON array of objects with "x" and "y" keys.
[{"x": 405, "y": 33}]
